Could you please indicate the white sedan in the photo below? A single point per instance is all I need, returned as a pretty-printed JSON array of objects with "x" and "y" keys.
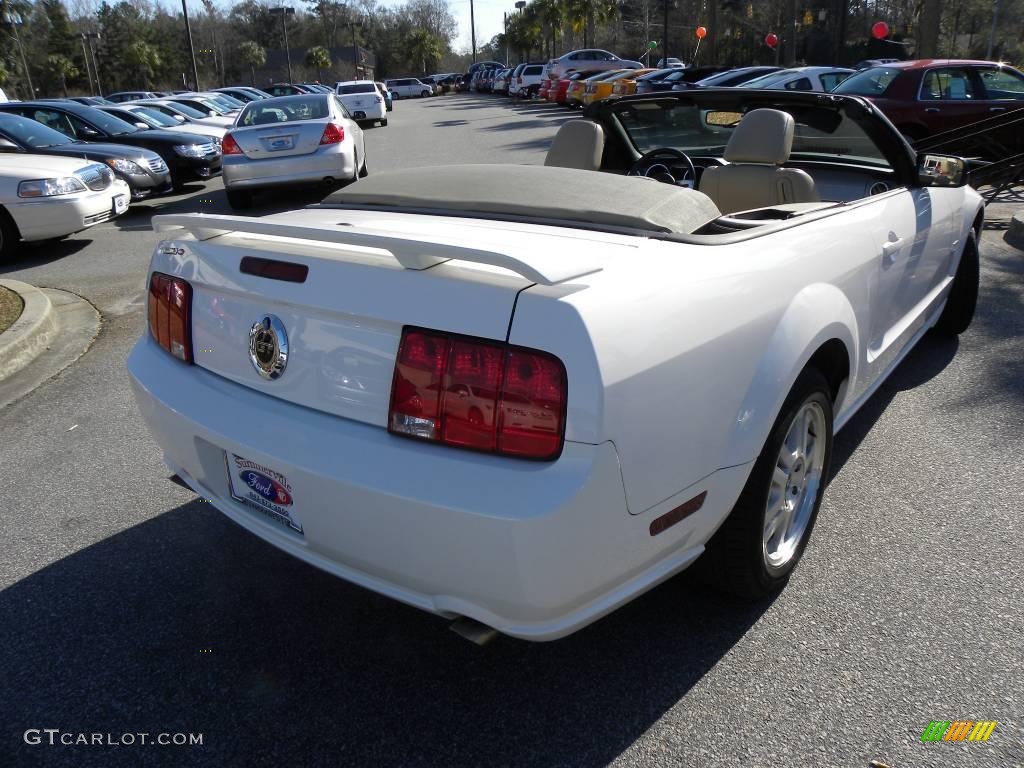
[
  {"x": 801, "y": 79},
  {"x": 44, "y": 197},
  {"x": 520, "y": 396},
  {"x": 363, "y": 101}
]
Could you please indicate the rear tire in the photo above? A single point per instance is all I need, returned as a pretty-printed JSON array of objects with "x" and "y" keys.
[
  {"x": 757, "y": 547},
  {"x": 963, "y": 295},
  {"x": 240, "y": 200},
  {"x": 10, "y": 238},
  {"x": 383, "y": 122}
]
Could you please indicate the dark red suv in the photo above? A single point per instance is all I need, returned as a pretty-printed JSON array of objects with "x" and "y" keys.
[{"x": 934, "y": 95}]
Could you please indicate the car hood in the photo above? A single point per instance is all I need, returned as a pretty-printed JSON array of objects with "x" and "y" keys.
[
  {"x": 27, "y": 166},
  {"x": 99, "y": 151},
  {"x": 164, "y": 137}
]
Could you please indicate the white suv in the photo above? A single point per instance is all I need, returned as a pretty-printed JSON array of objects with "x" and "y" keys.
[
  {"x": 526, "y": 80},
  {"x": 592, "y": 59},
  {"x": 362, "y": 99},
  {"x": 408, "y": 87}
]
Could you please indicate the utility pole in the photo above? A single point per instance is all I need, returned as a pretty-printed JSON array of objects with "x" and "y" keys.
[
  {"x": 355, "y": 50},
  {"x": 664, "y": 42},
  {"x": 90, "y": 36},
  {"x": 24, "y": 61},
  {"x": 85, "y": 58},
  {"x": 283, "y": 12},
  {"x": 992, "y": 34},
  {"x": 191, "y": 49},
  {"x": 472, "y": 29}
]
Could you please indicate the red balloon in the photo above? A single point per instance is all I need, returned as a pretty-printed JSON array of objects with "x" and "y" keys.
[
  {"x": 702, "y": 32},
  {"x": 771, "y": 39},
  {"x": 879, "y": 30}
]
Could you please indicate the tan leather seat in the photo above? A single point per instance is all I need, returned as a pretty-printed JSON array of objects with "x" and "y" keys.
[
  {"x": 578, "y": 144},
  {"x": 754, "y": 178}
]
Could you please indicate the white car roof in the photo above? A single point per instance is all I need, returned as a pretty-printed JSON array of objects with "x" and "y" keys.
[{"x": 353, "y": 82}]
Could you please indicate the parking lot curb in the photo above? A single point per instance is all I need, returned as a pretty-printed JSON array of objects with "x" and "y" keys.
[
  {"x": 31, "y": 333},
  {"x": 1015, "y": 234}
]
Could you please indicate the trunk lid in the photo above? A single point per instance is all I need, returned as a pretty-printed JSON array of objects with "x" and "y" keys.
[
  {"x": 280, "y": 139},
  {"x": 343, "y": 323}
]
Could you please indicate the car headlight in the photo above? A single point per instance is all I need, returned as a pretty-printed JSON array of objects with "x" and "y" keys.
[
  {"x": 64, "y": 185},
  {"x": 125, "y": 166},
  {"x": 190, "y": 150}
]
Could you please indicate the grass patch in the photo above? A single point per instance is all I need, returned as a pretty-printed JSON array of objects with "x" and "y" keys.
[{"x": 10, "y": 308}]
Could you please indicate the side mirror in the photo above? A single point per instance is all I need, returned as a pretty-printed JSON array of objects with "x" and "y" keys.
[
  {"x": 941, "y": 171},
  {"x": 180, "y": 118},
  {"x": 142, "y": 126},
  {"x": 88, "y": 133},
  {"x": 8, "y": 146}
]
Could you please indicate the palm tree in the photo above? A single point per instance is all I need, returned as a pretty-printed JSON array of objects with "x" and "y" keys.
[
  {"x": 252, "y": 53},
  {"x": 63, "y": 68},
  {"x": 143, "y": 59},
  {"x": 584, "y": 14},
  {"x": 423, "y": 47},
  {"x": 319, "y": 58},
  {"x": 552, "y": 14}
]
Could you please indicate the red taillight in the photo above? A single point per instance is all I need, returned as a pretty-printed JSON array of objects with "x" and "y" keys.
[
  {"x": 170, "y": 314},
  {"x": 228, "y": 145},
  {"x": 333, "y": 134},
  {"x": 478, "y": 394}
]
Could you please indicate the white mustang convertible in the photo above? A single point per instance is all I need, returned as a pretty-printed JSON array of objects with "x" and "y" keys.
[{"x": 520, "y": 396}]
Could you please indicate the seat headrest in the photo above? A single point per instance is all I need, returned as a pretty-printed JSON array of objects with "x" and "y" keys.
[
  {"x": 763, "y": 136},
  {"x": 578, "y": 144}
]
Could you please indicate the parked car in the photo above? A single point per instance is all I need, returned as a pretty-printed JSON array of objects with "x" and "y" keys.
[
  {"x": 933, "y": 95},
  {"x": 3, "y": 96},
  {"x": 577, "y": 89},
  {"x": 561, "y": 90},
  {"x": 479, "y": 65},
  {"x": 525, "y": 82},
  {"x": 733, "y": 77},
  {"x": 545, "y": 89},
  {"x": 634, "y": 442},
  {"x": 143, "y": 171},
  {"x": 626, "y": 84},
  {"x": 383, "y": 91},
  {"x": 590, "y": 59},
  {"x": 243, "y": 94},
  {"x": 317, "y": 88},
  {"x": 408, "y": 87},
  {"x": 185, "y": 114},
  {"x": 117, "y": 98},
  {"x": 145, "y": 117},
  {"x": 290, "y": 141},
  {"x": 603, "y": 87},
  {"x": 363, "y": 101},
  {"x": 217, "y": 105},
  {"x": 92, "y": 101},
  {"x": 287, "y": 89},
  {"x": 45, "y": 197},
  {"x": 501, "y": 82},
  {"x": 667, "y": 79},
  {"x": 670, "y": 62},
  {"x": 866, "y": 63},
  {"x": 187, "y": 156},
  {"x": 822, "y": 79}
]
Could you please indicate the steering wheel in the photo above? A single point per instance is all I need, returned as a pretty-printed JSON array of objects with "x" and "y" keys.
[{"x": 645, "y": 165}]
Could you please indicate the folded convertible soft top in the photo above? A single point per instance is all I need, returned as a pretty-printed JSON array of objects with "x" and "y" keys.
[{"x": 536, "y": 192}]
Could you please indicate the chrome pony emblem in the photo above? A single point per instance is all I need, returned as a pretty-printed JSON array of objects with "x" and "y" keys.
[{"x": 268, "y": 347}]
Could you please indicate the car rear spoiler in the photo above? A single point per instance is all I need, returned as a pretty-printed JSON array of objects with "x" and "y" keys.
[{"x": 411, "y": 253}]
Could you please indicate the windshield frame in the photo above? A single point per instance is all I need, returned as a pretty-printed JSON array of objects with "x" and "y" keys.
[{"x": 17, "y": 138}]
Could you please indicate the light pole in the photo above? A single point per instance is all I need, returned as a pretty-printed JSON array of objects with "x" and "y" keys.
[
  {"x": 472, "y": 29},
  {"x": 191, "y": 48},
  {"x": 355, "y": 49},
  {"x": 283, "y": 11},
  {"x": 90, "y": 36},
  {"x": 85, "y": 58},
  {"x": 24, "y": 62}
]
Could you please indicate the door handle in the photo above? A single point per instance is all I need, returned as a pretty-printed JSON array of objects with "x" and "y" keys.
[
  {"x": 890, "y": 249},
  {"x": 932, "y": 109},
  {"x": 997, "y": 109}
]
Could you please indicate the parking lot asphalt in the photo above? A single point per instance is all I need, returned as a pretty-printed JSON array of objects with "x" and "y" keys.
[{"x": 131, "y": 606}]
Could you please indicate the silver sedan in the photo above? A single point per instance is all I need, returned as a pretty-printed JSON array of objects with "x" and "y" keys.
[{"x": 291, "y": 141}]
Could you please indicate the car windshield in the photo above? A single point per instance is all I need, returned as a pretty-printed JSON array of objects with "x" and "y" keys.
[
  {"x": 32, "y": 134},
  {"x": 356, "y": 88},
  {"x": 765, "y": 81},
  {"x": 109, "y": 124},
  {"x": 288, "y": 109},
  {"x": 821, "y": 133},
  {"x": 869, "y": 82},
  {"x": 187, "y": 111},
  {"x": 154, "y": 117},
  {"x": 228, "y": 100}
]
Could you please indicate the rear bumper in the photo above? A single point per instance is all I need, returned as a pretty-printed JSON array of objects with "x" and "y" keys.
[
  {"x": 536, "y": 550},
  {"x": 337, "y": 162}
]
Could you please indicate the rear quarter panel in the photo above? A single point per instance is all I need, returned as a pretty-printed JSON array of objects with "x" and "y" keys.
[{"x": 683, "y": 354}]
